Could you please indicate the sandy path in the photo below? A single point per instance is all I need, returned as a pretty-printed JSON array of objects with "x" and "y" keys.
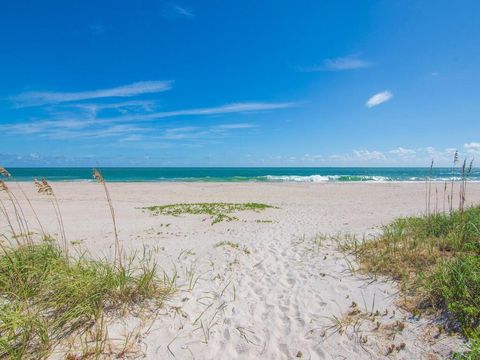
[{"x": 278, "y": 294}]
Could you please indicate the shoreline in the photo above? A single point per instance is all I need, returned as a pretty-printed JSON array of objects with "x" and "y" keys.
[{"x": 433, "y": 181}]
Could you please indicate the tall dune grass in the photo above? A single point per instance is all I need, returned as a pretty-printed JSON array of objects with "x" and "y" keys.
[
  {"x": 48, "y": 296},
  {"x": 436, "y": 259}
]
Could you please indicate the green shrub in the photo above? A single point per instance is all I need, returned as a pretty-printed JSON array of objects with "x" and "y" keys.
[{"x": 455, "y": 284}]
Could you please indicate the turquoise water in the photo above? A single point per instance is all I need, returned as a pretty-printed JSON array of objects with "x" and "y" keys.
[{"x": 266, "y": 174}]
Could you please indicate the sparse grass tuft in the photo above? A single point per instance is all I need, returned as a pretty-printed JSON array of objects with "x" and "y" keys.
[
  {"x": 217, "y": 211},
  {"x": 233, "y": 245},
  {"x": 46, "y": 296}
]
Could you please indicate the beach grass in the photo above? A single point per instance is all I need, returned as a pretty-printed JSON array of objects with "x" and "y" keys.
[
  {"x": 50, "y": 298},
  {"x": 217, "y": 211},
  {"x": 436, "y": 259},
  {"x": 45, "y": 295}
]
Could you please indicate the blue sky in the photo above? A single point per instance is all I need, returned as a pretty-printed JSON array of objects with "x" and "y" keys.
[{"x": 238, "y": 83}]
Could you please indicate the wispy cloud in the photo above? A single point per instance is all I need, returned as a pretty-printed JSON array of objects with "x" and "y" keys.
[
  {"x": 472, "y": 148},
  {"x": 403, "y": 152},
  {"x": 69, "y": 129},
  {"x": 36, "y": 98},
  {"x": 93, "y": 133},
  {"x": 86, "y": 123},
  {"x": 246, "y": 107},
  {"x": 180, "y": 10},
  {"x": 97, "y": 29},
  {"x": 369, "y": 155},
  {"x": 236, "y": 126},
  {"x": 338, "y": 64},
  {"x": 379, "y": 98},
  {"x": 122, "y": 107},
  {"x": 192, "y": 132}
]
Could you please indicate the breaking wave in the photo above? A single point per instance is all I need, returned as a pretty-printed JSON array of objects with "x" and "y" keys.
[{"x": 327, "y": 178}]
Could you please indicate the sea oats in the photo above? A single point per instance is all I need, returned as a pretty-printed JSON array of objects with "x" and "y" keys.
[
  {"x": 469, "y": 171},
  {"x": 98, "y": 176},
  {"x": 3, "y": 186},
  {"x": 43, "y": 187},
  {"x": 4, "y": 172}
]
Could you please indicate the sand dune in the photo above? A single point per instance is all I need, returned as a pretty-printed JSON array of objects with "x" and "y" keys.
[{"x": 271, "y": 285}]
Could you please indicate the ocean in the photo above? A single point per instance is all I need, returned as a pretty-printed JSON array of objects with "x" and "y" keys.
[{"x": 244, "y": 174}]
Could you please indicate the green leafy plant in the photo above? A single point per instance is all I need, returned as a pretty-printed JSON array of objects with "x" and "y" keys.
[{"x": 217, "y": 211}]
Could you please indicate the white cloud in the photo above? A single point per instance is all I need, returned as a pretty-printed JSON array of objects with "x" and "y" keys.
[
  {"x": 67, "y": 123},
  {"x": 122, "y": 107},
  {"x": 36, "y": 127},
  {"x": 36, "y": 98},
  {"x": 402, "y": 152},
  {"x": 223, "y": 109},
  {"x": 115, "y": 130},
  {"x": 379, "y": 98},
  {"x": 134, "y": 137},
  {"x": 196, "y": 132},
  {"x": 369, "y": 155},
  {"x": 236, "y": 126},
  {"x": 337, "y": 64},
  {"x": 472, "y": 148},
  {"x": 400, "y": 156},
  {"x": 183, "y": 11},
  {"x": 97, "y": 29},
  {"x": 189, "y": 133}
]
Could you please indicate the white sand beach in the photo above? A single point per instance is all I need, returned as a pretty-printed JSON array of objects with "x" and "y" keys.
[{"x": 284, "y": 292}]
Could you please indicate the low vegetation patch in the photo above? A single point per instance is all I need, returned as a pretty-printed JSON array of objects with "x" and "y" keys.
[
  {"x": 436, "y": 258},
  {"x": 51, "y": 301},
  {"x": 46, "y": 296},
  {"x": 233, "y": 245},
  {"x": 217, "y": 211}
]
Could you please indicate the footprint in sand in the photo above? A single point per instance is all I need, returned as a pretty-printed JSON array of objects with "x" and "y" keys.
[
  {"x": 284, "y": 349},
  {"x": 241, "y": 348}
]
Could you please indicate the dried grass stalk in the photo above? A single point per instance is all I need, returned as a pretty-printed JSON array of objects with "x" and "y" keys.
[
  {"x": 44, "y": 188},
  {"x": 97, "y": 175},
  {"x": 4, "y": 172}
]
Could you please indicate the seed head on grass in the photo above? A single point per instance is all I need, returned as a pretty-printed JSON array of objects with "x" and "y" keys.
[
  {"x": 20, "y": 218},
  {"x": 3, "y": 186},
  {"x": 118, "y": 251},
  {"x": 47, "y": 298},
  {"x": 98, "y": 176},
  {"x": 4, "y": 172},
  {"x": 43, "y": 187},
  {"x": 470, "y": 167}
]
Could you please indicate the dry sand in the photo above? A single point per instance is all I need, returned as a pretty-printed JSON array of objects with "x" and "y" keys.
[{"x": 279, "y": 294}]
